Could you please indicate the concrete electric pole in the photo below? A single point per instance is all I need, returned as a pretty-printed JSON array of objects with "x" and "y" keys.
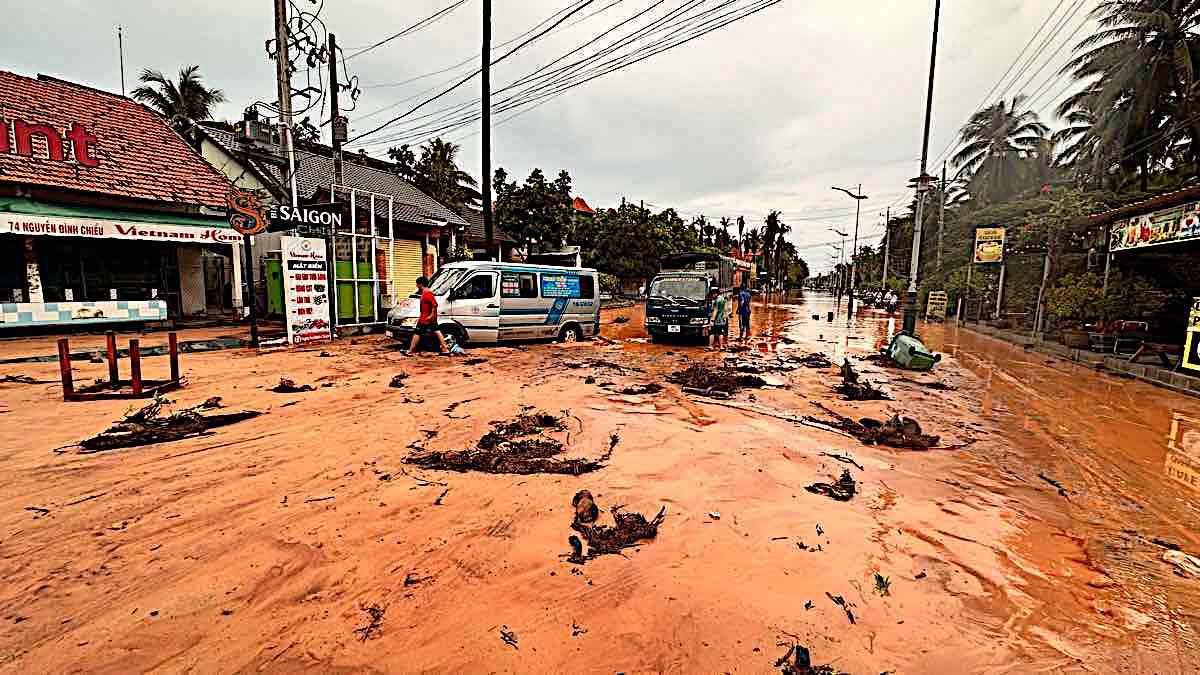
[
  {"x": 283, "y": 81},
  {"x": 485, "y": 183}
]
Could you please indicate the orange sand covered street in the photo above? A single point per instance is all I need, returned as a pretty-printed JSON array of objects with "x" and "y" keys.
[{"x": 301, "y": 540}]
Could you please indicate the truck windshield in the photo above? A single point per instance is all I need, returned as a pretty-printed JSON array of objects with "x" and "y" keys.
[{"x": 676, "y": 289}]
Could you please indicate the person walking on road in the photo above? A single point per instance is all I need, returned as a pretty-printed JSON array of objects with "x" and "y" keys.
[
  {"x": 720, "y": 320},
  {"x": 427, "y": 324},
  {"x": 743, "y": 300}
]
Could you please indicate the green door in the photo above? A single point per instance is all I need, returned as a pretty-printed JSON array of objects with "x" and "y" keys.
[
  {"x": 347, "y": 294},
  {"x": 274, "y": 272}
]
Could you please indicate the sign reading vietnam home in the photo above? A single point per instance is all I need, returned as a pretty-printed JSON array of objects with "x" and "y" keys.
[
  {"x": 306, "y": 289},
  {"x": 64, "y": 226},
  {"x": 989, "y": 244}
]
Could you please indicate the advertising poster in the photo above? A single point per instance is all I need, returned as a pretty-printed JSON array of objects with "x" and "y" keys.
[
  {"x": 305, "y": 289},
  {"x": 1191, "y": 351},
  {"x": 989, "y": 244},
  {"x": 1167, "y": 226},
  {"x": 1183, "y": 452},
  {"x": 560, "y": 286}
]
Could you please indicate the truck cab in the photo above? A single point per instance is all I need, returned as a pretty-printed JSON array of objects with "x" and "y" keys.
[{"x": 677, "y": 305}]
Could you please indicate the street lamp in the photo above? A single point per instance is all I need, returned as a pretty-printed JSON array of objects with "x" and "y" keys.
[
  {"x": 858, "y": 200},
  {"x": 922, "y": 181}
]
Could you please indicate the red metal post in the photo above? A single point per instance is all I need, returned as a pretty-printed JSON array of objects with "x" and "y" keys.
[
  {"x": 64, "y": 367},
  {"x": 135, "y": 367},
  {"x": 114, "y": 375},
  {"x": 173, "y": 341}
]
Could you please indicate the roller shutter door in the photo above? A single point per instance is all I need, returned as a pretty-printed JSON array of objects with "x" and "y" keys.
[{"x": 405, "y": 265}]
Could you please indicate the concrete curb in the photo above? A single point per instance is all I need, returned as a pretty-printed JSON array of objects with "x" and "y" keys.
[{"x": 1103, "y": 363}]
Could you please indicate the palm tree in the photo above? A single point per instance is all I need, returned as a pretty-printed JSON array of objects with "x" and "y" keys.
[
  {"x": 995, "y": 141},
  {"x": 437, "y": 174},
  {"x": 183, "y": 103},
  {"x": 1142, "y": 68},
  {"x": 741, "y": 225},
  {"x": 723, "y": 240},
  {"x": 770, "y": 233},
  {"x": 751, "y": 241}
]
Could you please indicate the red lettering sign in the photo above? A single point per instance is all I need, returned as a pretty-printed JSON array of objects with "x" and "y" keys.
[{"x": 23, "y": 133}]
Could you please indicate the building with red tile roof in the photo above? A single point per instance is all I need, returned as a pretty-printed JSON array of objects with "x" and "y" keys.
[{"x": 106, "y": 213}]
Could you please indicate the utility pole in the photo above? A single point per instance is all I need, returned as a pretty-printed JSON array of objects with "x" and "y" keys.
[
  {"x": 283, "y": 81},
  {"x": 941, "y": 218},
  {"x": 922, "y": 181},
  {"x": 338, "y": 124},
  {"x": 887, "y": 243},
  {"x": 486, "y": 182},
  {"x": 121, "y": 56}
]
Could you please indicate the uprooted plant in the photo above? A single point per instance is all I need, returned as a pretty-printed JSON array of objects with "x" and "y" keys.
[
  {"x": 518, "y": 445},
  {"x": 702, "y": 377},
  {"x": 147, "y": 426},
  {"x": 843, "y": 490},
  {"x": 897, "y": 432},
  {"x": 854, "y": 388},
  {"x": 628, "y": 529}
]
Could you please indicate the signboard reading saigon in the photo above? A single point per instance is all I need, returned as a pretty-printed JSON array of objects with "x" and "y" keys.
[
  {"x": 1168, "y": 226},
  {"x": 989, "y": 244},
  {"x": 305, "y": 289}
]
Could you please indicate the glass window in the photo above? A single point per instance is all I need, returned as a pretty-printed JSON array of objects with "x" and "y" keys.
[
  {"x": 693, "y": 289},
  {"x": 518, "y": 285},
  {"x": 445, "y": 279},
  {"x": 587, "y": 287},
  {"x": 478, "y": 287}
]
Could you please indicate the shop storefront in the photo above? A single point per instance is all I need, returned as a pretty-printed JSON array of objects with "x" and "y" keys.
[{"x": 112, "y": 220}]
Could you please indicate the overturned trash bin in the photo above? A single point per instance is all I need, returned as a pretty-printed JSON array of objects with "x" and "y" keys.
[{"x": 909, "y": 352}]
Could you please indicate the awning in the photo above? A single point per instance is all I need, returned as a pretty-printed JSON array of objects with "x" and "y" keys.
[{"x": 28, "y": 217}]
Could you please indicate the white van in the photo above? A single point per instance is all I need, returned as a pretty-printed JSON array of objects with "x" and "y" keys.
[{"x": 482, "y": 302}]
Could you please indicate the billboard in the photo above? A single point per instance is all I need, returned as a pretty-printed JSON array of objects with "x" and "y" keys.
[
  {"x": 1166, "y": 226},
  {"x": 306, "y": 289},
  {"x": 989, "y": 244},
  {"x": 1191, "y": 351}
]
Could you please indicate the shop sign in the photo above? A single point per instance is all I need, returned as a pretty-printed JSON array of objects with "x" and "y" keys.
[
  {"x": 315, "y": 220},
  {"x": 1191, "y": 353},
  {"x": 56, "y": 226},
  {"x": 246, "y": 214},
  {"x": 935, "y": 305},
  {"x": 306, "y": 289},
  {"x": 560, "y": 286},
  {"x": 989, "y": 244},
  {"x": 23, "y": 132},
  {"x": 1168, "y": 226}
]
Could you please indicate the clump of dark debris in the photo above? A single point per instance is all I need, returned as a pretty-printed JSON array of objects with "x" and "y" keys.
[
  {"x": 397, "y": 381},
  {"x": 843, "y": 490},
  {"x": 699, "y": 376},
  {"x": 288, "y": 386},
  {"x": 146, "y": 426},
  {"x": 815, "y": 360},
  {"x": 641, "y": 389},
  {"x": 897, "y": 432},
  {"x": 798, "y": 661},
  {"x": 628, "y": 529},
  {"x": 22, "y": 379},
  {"x": 375, "y": 612},
  {"x": 518, "y": 445},
  {"x": 854, "y": 388}
]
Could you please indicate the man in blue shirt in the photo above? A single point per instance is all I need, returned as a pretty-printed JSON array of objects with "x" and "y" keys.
[{"x": 743, "y": 300}]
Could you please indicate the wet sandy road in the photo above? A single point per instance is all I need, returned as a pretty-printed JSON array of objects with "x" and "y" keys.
[{"x": 256, "y": 549}]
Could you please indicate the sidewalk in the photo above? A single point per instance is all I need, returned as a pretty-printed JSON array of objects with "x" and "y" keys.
[
  {"x": 1108, "y": 363},
  {"x": 152, "y": 343}
]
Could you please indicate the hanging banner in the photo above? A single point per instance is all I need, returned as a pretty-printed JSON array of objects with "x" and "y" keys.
[
  {"x": 1168, "y": 226},
  {"x": 1191, "y": 353},
  {"x": 989, "y": 244},
  {"x": 305, "y": 289}
]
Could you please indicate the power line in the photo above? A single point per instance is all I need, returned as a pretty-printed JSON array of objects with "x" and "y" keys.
[{"x": 423, "y": 23}]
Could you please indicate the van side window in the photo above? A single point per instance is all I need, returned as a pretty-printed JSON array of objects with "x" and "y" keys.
[
  {"x": 587, "y": 287},
  {"x": 518, "y": 285},
  {"x": 479, "y": 287}
]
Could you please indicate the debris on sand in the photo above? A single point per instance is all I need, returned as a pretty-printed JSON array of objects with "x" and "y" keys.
[
  {"x": 936, "y": 385},
  {"x": 853, "y": 388},
  {"x": 22, "y": 379},
  {"x": 1185, "y": 565},
  {"x": 815, "y": 360},
  {"x": 475, "y": 361},
  {"x": 1059, "y": 486},
  {"x": 287, "y": 386},
  {"x": 512, "y": 446},
  {"x": 372, "y": 628},
  {"x": 454, "y": 406},
  {"x": 845, "y": 459},
  {"x": 146, "y": 426},
  {"x": 883, "y": 585},
  {"x": 38, "y": 511},
  {"x": 641, "y": 389},
  {"x": 841, "y": 602},
  {"x": 843, "y": 490},
  {"x": 628, "y": 529},
  {"x": 509, "y": 637},
  {"x": 897, "y": 432},
  {"x": 397, "y": 381},
  {"x": 798, "y": 661},
  {"x": 698, "y": 376},
  {"x": 586, "y": 511}
]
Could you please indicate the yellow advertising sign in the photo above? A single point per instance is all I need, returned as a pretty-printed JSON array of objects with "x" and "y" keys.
[
  {"x": 1191, "y": 352},
  {"x": 935, "y": 306},
  {"x": 989, "y": 244}
]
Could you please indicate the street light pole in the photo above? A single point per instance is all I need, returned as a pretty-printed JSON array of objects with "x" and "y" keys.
[
  {"x": 858, "y": 199},
  {"x": 922, "y": 181}
]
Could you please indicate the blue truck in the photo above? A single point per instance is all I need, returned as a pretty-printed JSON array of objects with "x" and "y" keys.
[{"x": 678, "y": 302}]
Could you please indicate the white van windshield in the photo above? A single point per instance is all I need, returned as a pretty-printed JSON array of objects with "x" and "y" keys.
[
  {"x": 445, "y": 279},
  {"x": 679, "y": 288}
]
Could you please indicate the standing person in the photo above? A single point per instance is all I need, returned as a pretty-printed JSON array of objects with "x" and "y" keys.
[
  {"x": 743, "y": 299},
  {"x": 720, "y": 319},
  {"x": 427, "y": 324}
]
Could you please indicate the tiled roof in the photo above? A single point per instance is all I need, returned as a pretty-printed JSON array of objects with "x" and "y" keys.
[
  {"x": 268, "y": 168},
  {"x": 581, "y": 205},
  {"x": 475, "y": 227},
  {"x": 138, "y": 155}
]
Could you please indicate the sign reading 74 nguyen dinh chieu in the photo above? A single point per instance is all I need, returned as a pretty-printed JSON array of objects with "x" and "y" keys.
[{"x": 1168, "y": 226}]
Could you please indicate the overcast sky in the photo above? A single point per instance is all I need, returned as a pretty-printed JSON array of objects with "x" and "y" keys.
[{"x": 766, "y": 113}]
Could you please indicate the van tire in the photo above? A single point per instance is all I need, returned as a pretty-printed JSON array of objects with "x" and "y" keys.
[{"x": 570, "y": 333}]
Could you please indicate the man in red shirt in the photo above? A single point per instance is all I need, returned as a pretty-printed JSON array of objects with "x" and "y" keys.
[{"x": 428, "y": 323}]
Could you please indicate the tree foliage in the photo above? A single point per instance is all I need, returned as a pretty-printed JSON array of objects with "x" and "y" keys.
[
  {"x": 437, "y": 174},
  {"x": 537, "y": 213},
  {"x": 183, "y": 102}
]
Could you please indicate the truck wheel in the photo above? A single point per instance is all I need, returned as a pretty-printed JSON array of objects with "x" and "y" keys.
[{"x": 570, "y": 334}]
